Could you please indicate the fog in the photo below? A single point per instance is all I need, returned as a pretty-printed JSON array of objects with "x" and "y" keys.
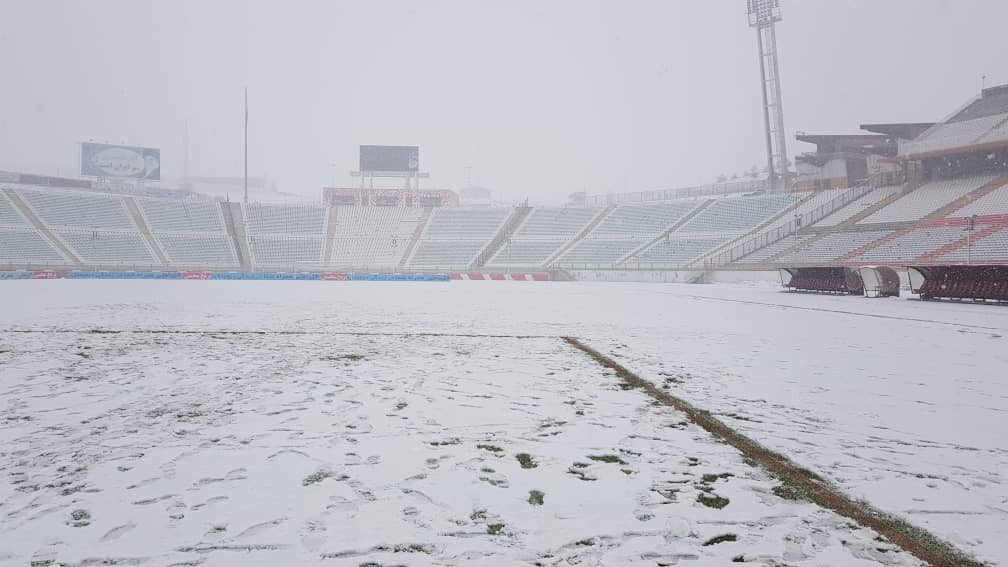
[{"x": 537, "y": 99}]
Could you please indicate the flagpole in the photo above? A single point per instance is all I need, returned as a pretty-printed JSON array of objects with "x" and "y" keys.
[{"x": 246, "y": 146}]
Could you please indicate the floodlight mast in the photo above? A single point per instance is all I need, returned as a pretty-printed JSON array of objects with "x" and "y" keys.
[{"x": 763, "y": 14}]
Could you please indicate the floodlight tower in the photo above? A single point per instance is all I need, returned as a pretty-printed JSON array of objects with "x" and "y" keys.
[{"x": 763, "y": 14}]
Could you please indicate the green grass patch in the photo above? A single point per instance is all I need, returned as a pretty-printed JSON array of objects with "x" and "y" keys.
[
  {"x": 712, "y": 500},
  {"x": 526, "y": 461},
  {"x": 607, "y": 459},
  {"x": 720, "y": 539},
  {"x": 536, "y": 497},
  {"x": 789, "y": 491},
  {"x": 495, "y": 529},
  {"x": 491, "y": 448}
]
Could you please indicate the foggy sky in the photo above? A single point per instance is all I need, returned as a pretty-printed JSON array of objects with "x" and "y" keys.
[{"x": 539, "y": 98}]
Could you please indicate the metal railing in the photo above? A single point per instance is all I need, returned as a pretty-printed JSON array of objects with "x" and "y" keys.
[{"x": 790, "y": 228}]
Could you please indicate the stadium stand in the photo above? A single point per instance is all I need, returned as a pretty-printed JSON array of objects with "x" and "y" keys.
[
  {"x": 25, "y": 247},
  {"x": 677, "y": 251},
  {"x": 545, "y": 231},
  {"x": 9, "y": 215},
  {"x": 107, "y": 247},
  {"x": 926, "y": 199},
  {"x": 642, "y": 220},
  {"x": 290, "y": 236},
  {"x": 445, "y": 253},
  {"x": 301, "y": 219},
  {"x": 210, "y": 249},
  {"x": 993, "y": 203},
  {"x": 164, "y": 215},
  {"x": 372, "y": 236},
  {"x": 555, "y": 223},
  {"x": 466, "y": 223},
  {"x": 526, "y": 252},
  {"x": 832, "y": 247},
  {"x": 859, "y": 206},
  {"x": 738, "y": 214},
  {"x": 593, "y": 251},
  {"x": 990, "y": 248},
  {"x": 912, "y": 244},
  {"x": 455, "y": 236},
  {"x": 768, "y": 252},
  {"x": 78, "y": 210},
  {"x": 285, "y": 251},
  {"x": 190, "y": 233}
]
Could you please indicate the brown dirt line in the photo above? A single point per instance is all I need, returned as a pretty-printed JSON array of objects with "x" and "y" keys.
[{"x": 916, "y": 541}]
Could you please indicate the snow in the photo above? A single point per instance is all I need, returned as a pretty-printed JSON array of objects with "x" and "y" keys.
[{"x": 350, "y": 428}]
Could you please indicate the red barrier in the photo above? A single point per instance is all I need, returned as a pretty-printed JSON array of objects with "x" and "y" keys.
[
  {"x": 197, "y": 275},
  {"x": 334, "y": 276},
  {"x": 474, "y": 276},
  {"x": 455, "y": 276},
  {"x": 497, "y": 277},
  {"x": 540, "y": 277},
  {"x": 49, "y": 274}
]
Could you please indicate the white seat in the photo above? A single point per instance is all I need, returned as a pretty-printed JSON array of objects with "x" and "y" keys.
[
  {"x": 9, "y": 216},
  {"x": 926, "y": 199},
  {"x": 107, "y": 247},
  {"x": 832, "y": 246},
  {"x": 164, "y": 215},
  {"x": 78, "y": 210},
  {"x": 26, "y": 246},
  {"x": 207, "y": 249}
]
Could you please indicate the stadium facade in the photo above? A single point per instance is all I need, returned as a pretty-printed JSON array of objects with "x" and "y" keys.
[{"x": 902, "y": 194}]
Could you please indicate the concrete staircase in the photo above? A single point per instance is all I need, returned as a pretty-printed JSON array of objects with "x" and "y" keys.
[
  {"x": 145, "y": 233},
  {"x": 961, "y": 243},
  {"x": 510, "y": 226},
  {"x": 235, "y": 225},
  {"x": 675, "y": 226},
  {"x": 42, "y": 229},
  {"x": 969, "y": 198},
  {"x": 331, "y": 219},
  {"x": 601, "y": 216},
  {"x": 420, "y": 228},
  {"x": 878, "y": 206},
  {"x": 930, "y": 218}
]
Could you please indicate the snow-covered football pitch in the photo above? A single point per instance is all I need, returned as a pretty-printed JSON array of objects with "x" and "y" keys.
[{"x": 280, "y": 423}]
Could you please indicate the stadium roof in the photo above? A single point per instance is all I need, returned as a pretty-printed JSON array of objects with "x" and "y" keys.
[
  {"x": 902, "y": 130},
  {"x": 859, "y": 143},
  {"x": 980, "y": 125}
]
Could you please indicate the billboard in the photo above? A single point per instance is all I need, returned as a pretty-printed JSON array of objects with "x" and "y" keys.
[
  {"x": 104, "y": 160},
  {"x": 390, "y": 158}
]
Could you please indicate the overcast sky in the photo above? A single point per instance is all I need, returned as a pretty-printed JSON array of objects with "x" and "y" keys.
[{"x": 540, "y": 98}]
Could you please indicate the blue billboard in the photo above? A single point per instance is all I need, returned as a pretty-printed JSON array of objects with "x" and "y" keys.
[{"x": 105, "y": 160}]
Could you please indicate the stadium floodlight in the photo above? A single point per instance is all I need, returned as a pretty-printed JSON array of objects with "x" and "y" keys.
[{"x": 763, "y": 14}]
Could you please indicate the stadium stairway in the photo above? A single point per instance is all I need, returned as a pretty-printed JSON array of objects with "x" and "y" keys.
[
  {"x": 421, "y": 225},
  {"x": 511, "y": 226},
  {"x": 235, "y": 224},
  {"x": 927, "y": 220},
  {"x": 877, "y": 206},
  {"x": 969, "y": 198},
  {"x": 675, "y": 226},
  {"x": 735, "y": 250},
  {"x": 961, "y": 243},
  {"x": 42, "y": 229},
  {"x": 331, "y": 219},
  {"x": 145, "y": 233},
  {"x": 601, "y": 216},
  {"x": 789, "y": 210}
]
